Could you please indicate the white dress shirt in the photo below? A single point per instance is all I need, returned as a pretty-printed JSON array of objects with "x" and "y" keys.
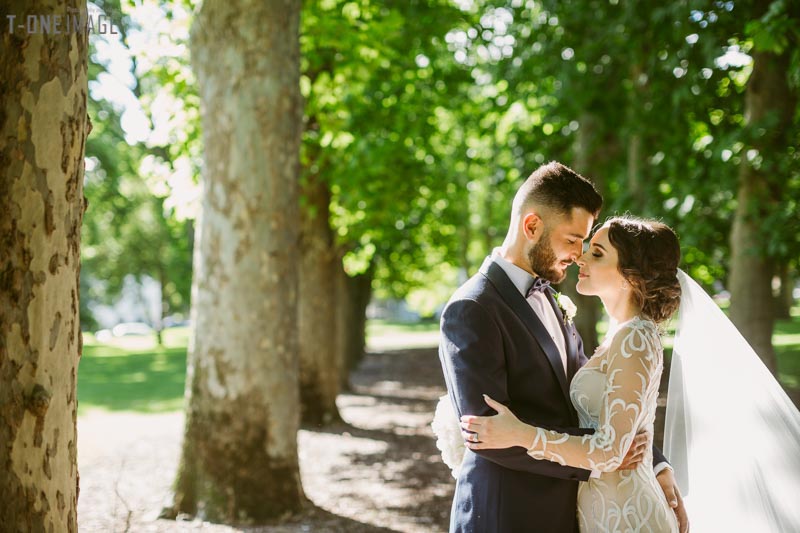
[{"x": 538, "y": 301}]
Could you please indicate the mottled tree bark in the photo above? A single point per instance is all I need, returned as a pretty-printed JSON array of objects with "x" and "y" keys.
[
  {"x": 320, "y": 364},
  {"x": 43, "y": 128},
  {"x": 239, "y": 462},
  {"x": 768, "y": 98},
  {"x": 636, "y": 180}
]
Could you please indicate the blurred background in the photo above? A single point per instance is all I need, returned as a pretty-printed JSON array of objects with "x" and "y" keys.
[{"x": 420, "y": 120}]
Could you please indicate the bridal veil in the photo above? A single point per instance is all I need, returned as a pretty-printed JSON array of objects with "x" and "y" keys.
[{"x": 732, "y": 434}]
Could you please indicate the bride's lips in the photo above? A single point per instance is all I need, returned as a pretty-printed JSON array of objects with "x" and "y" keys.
[{"x": 582, "y": 275}]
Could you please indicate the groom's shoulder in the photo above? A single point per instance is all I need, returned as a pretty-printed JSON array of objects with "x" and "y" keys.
[{"x": 478, "y": 288}]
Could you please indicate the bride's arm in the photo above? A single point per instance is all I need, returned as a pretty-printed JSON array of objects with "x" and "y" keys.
[{"x": 633, "y": 364}]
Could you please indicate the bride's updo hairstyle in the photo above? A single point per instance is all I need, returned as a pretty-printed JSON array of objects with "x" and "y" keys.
[{"x": 649, "y": 255}]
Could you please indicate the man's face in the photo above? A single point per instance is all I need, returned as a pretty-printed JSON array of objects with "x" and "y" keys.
[{"x": 560, "y": 244}]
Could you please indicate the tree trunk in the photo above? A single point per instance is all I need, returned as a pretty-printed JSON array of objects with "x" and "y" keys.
[
  {"x": 43, "y": 128},
  {"x": 635, "y": 177},
  {"x": 752, "y": 307},
  {"x": 164, "y": 306},
  {"x": 239, "y": 462},
  {"x": 353, "y": 295},
  {"x": 320, "y": 364}
]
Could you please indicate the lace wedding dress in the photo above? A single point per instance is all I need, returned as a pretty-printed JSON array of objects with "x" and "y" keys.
[{"x": 615, "y": 393}]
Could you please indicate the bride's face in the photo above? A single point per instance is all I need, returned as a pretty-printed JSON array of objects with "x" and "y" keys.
[{"x": 599, "y": 273}]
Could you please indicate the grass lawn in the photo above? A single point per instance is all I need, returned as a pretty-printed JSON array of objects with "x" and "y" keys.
[{"x": 134, "y": 374}]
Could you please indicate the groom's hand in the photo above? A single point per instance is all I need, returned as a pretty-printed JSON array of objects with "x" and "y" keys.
[
  {"x": 635, "y": 453},
  {"x": 667, "y": 481}
]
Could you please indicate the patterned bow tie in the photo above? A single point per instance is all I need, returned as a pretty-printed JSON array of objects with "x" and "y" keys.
[{"x": 539, "y": 285}]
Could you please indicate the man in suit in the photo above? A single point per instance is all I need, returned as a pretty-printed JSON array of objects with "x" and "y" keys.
[{"x": 504, "y": 335}]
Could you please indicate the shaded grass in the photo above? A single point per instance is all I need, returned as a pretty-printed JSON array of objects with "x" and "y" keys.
[
  {"x": 378, "y": 328},
  {"x": 786, "y": 340}
]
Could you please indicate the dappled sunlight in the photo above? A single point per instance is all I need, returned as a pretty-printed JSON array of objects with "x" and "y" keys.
[{"x": 377, "y": 468}]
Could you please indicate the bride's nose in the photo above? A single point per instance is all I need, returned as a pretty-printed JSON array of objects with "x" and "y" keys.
[{"x": 580, "y": 261}]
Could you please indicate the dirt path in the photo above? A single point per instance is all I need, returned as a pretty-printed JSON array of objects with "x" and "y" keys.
[{"x": 379, "y": 471}]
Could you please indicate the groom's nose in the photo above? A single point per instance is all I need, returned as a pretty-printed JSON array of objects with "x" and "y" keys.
[{"x": 576, "y": 251}]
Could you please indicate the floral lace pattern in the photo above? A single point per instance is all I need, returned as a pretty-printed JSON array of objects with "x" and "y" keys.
[{"x": 615, "y": 393}]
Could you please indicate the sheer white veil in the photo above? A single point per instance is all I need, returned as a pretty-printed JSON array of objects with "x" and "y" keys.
[{"x": 731, "y": 434}]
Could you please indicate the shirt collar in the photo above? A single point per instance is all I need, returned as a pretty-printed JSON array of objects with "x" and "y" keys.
[{"x": 521, "y": 278}]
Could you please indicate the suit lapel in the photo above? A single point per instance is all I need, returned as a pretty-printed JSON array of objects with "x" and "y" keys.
[
  {"x": 570, "y": 336},
  {"x": 523, "y": 310}
]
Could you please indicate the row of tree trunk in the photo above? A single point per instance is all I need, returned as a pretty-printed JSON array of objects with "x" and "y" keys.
[{"x": 278, "y": 322}]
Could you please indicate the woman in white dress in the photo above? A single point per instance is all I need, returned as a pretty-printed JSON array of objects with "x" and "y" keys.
[{"x": 632, "y": 265}]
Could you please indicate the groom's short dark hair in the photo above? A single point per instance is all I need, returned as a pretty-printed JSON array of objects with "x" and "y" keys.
[{"x": 559, "y": 188}]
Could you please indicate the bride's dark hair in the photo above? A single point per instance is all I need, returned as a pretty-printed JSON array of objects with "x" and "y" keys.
[{"x": 649, "y": 255}]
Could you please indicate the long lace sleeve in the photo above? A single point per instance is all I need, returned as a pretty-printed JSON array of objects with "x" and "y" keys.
[{"x": 633, "y": 369}]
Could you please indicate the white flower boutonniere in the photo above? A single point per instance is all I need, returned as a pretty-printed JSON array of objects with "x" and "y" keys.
[{"x": 568, "y": 307}]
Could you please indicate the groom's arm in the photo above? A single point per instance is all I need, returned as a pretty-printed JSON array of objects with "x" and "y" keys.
[
  {"x": 659, "y": 461},
  {"x": 474, "y": 363}
]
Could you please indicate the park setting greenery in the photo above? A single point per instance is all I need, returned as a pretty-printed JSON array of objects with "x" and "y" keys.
[
  {"x": 414, "y": 141},
  {"x": 421, "y": 137},
  {"x": 419, "y": 121},
  {"x": 258, "y": 172}
]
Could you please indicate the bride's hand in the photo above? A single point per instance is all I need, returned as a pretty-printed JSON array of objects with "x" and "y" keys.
[{"x": 503, "y": 430}]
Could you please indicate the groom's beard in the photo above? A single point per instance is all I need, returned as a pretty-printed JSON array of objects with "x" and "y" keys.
[{"x": 543, "y": 260}]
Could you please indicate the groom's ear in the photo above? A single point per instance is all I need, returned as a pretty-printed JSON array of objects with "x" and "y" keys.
[{"x": 532, "y": 227}]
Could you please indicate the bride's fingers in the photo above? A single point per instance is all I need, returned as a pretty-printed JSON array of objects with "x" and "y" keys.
[
  {"x": 469, "y": 437},
  {"x": 640, "y": 440}
]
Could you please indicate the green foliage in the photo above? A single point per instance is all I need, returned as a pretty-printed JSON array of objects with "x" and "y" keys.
[
  {"x": 133, "y": 227},
  {"x": 376, "y": 81},
  {"x": 424, "y": 116}
]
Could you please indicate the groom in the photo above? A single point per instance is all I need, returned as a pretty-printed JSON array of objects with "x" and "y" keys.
[{"x": 504, "y": 335}]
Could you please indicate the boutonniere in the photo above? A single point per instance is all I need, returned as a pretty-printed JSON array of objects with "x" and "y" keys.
[{"x": 567, "y": 306}]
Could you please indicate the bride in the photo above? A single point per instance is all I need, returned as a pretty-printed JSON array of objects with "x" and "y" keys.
[{"x": 731, "y": 432}]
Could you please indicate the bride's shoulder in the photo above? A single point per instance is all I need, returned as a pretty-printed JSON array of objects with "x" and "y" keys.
[
  {"x": 637, "y": 336},
  {"x": 643, "y": 324}
]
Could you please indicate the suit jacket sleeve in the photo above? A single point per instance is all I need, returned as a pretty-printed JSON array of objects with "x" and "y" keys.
[{"x": 473, "y": 356}]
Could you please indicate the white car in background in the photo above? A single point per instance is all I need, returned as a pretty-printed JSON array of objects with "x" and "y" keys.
[{"x": 124, "y": 329}]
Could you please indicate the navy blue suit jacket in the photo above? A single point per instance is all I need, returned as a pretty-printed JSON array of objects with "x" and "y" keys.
[{"x": 493, "y": 343}]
